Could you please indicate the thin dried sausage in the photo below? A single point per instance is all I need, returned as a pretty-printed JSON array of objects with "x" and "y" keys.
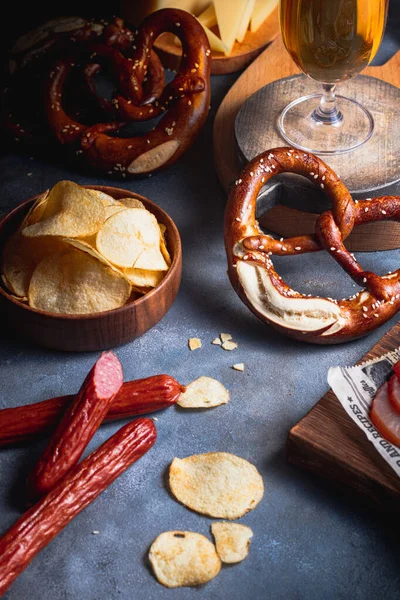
[
  {"x": 137, "y": 397},
  {"x": 78, "y": 425},
  {"x": 78, "y": 488}
]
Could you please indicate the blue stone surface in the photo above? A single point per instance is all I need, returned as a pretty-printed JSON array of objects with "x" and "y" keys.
[{"x": 311, "y": 541}]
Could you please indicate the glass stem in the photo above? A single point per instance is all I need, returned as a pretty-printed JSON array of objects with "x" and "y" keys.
[{"x": 327, "y": 112}]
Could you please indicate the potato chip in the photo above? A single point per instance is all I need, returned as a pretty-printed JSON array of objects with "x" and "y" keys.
[
  {"x": 21, "y": 256},
  {"x": 36, "y": 211},
  {"x": 70, "y": 211},
  {"x": 232, "y": 541},
  {"x": 111, "y": 209},
  {"x": 132, "y": 203},
  {"x": 204, "y": 392},
  {"x": 144, "y": 279},
  {"x": 194, "y": 343},
  {"x": 106, "y": 199},
  {"x": 151, "y": 259},
  {"x": 183, "y": 558},
  {"x": 217, "y": 484},
  {"x": 216, "y": 342},
  {"x": 163, "y": 244},
  {"x": 86, "y": 247},
  {"x": 76, "y": 283},
  {"x": 125, "y": 235}
]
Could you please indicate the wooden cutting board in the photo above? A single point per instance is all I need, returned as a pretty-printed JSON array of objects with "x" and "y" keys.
[
  {"x": 327, "y": 442},
  {"x": 274, "y": 64}
]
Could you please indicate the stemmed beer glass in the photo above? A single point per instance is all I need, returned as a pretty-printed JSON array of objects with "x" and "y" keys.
[{"x": 331, "y": 41}]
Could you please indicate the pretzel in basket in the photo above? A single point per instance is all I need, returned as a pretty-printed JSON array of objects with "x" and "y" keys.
[
  {"x": 251, "y": 271},
  {"x": 141, "y": 93}
]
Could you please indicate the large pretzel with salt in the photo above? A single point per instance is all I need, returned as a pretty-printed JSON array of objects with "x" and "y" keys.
[
  {"x": 185, "y": 101},
  {"x": 251, "y": 271}
]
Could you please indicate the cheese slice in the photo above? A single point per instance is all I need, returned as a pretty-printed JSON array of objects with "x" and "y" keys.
[
  {"x": 245, "y": 20},
  {"x": 134, "y": 11},
  {"x": 208, "y": 18},
  {"x": 229, "y": 18},
  {"x": 262, "y": 10},
  {"x": 216, "y": 43}
]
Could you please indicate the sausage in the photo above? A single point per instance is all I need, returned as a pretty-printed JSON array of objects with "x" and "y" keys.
[
  {"x": 394, "y": 392},
  {"x": 78, "y": 425},
  {"x": 78, "y": 488},
  {"x": 138, "y": 397},
  {"x": 385, "y": 418}
]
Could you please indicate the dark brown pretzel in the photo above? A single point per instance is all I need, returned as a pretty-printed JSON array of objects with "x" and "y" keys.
[
  {"x": 185, "y": 100},
  {"x": 252, "y": 274},
  {"x": 141, "y": 93}
]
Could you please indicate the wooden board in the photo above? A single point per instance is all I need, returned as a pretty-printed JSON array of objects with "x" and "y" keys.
[
  {"x": 273, "y": 64},
  {"x": 242, "y": 54},
  {"x": 327, "y": 442}
]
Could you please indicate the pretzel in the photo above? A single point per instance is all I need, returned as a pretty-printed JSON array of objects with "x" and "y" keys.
[
  {"x": 185, "y": 100},
  {"x": 141, "y": 94},
  {"x": 251, "y": 271}
]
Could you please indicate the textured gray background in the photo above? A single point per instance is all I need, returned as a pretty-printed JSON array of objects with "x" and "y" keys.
[{"x": 310, "y": 540}]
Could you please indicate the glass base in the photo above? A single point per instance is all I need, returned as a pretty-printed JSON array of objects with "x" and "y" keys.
[{"x": 302, "y": 127}]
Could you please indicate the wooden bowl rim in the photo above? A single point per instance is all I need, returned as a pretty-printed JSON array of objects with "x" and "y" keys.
[{"x": 126, "y": 307}]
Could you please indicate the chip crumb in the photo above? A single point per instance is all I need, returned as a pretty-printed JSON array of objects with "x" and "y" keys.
[
  {"x": 229, "y": 345},
  {"x": 194, "y": 343},
  {"x": 183, "y": 558},
  {"x": 204, "y": 392},
  {"x": 232, "y": 541},
  {"x": 225, "y": 337},
  {"x": 95, "y": 532},
  {"x": 238, "y": 367},
  {"x": 216, "y": 342}
]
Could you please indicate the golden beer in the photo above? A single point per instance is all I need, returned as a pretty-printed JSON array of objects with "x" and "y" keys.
[{"x": 332, "y": 40}]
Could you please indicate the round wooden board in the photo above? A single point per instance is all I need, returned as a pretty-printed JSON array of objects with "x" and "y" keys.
[
  {"x": 274, "y": 64},
  {"x": 241, "y": 55}
]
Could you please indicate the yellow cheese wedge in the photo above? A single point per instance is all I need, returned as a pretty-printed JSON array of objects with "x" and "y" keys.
[
  {"x": 216, "y": 43},
  {"x": 245, "y": 20},
  {"x": 208, "y": 18},
  {"x": 229, "y": 18},
  {"x": 134, "y": 11},
  {"x": 262, "y": 10}
]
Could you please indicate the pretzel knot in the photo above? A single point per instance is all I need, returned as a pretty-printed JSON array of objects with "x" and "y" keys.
[
  {"x": 140, "y": 93},
  {"x": 251, "y": 271}
]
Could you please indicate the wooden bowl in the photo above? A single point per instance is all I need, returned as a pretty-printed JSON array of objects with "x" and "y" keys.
[
  {"x": 242, "y": 53},
  {"x": 101, "y": 330}
]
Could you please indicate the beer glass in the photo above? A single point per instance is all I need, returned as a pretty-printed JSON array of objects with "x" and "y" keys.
[{"x": 331, "y": 41}]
